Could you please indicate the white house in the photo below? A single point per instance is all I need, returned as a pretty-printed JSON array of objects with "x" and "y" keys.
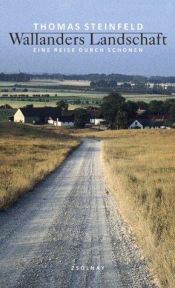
[
  {"x": 19, "y": 116},
  {"x": 97, "y": 121},
  {"x": 36, "y": 114},
  {"x": 145, "y": 123},
  {"x": 136, "y": 124},
  {"x": 62, "y": 121}
]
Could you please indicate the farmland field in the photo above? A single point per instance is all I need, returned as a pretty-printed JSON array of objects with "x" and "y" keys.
[
  {"x": 147, "y": 97},
  {"x": 48, "y": 92},
  {"x": 58, "y": 94},
  {"x": 17, "y": 103},
  {"x": 59, "y": 82},
  {"x": 40, "y": 99},
  {"x": 45, "y": 93},
  {"x": 48, "y": 82}
]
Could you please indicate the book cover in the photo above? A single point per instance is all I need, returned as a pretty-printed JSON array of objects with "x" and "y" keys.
[{"x": 87, "y": 118}]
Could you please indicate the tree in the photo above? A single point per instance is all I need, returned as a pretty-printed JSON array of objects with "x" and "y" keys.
[
  {"x": 112, "y": 104},
  {"x": 29, "y": 106},
  {"x": 142, "y": 105},
  {"x": 131, "y": 109},
  {"x": 156, "y": 107},
  {"x": 6, "y": 106},
  {"x": 168, "y": 104},
  {"x": 121, "y": 120},
  {"x": 81, "y": 118},
  {"x": 62, "y": 105},
  {"x": 172, "y": 113}
]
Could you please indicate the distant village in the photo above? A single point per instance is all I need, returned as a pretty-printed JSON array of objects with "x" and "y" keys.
[
  {"x": 58, "y": 116},
  {"x": 115, "y": 113}
]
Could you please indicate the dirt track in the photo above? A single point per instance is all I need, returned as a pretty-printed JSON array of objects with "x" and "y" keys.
[{"x": 66, "y": 233}]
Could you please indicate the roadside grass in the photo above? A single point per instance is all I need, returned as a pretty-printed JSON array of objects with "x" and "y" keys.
[
  {"x": 79, "y": 133},
  {"x": 27, "y": 155},
  {"x": 140, "y": 172}
]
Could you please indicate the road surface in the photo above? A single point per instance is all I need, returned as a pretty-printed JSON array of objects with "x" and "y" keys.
[{"x": 66, "y": 232}]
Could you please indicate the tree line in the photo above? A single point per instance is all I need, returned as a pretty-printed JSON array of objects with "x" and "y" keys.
[
  {"x": 15, "y": 77},
  {"x": 117, "y": 111},
  {"x": 20, "y": 77}
]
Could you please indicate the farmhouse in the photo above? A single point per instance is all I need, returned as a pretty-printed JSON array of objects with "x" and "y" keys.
[
  {"x": 36, "y": 115},
  {"x": 96, "y": 116},
  {"x": 144, "y": 123}
]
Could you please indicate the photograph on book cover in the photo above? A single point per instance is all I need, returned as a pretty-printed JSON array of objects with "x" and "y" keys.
[{"x": 87, "y": 144}]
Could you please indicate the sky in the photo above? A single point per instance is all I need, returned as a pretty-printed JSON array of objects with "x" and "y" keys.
[{"x": 19, "y": 16}]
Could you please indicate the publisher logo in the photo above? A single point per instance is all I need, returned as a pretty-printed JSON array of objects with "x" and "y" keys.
[{"x": 87, "y": 268}]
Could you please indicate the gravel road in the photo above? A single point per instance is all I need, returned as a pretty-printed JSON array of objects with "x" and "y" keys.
[{"x": 66, "y": 232}]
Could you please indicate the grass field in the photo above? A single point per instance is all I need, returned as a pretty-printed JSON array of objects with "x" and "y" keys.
[
  {"x": 140, "y": 170},
  {"x": 27, "y": 155}
]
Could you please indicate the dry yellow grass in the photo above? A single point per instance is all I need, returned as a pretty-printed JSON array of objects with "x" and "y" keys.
[
  {"x": 27, "y": 155},
  {"x": 140, "y": 169},
  {"x": 85, "y": 132}
]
